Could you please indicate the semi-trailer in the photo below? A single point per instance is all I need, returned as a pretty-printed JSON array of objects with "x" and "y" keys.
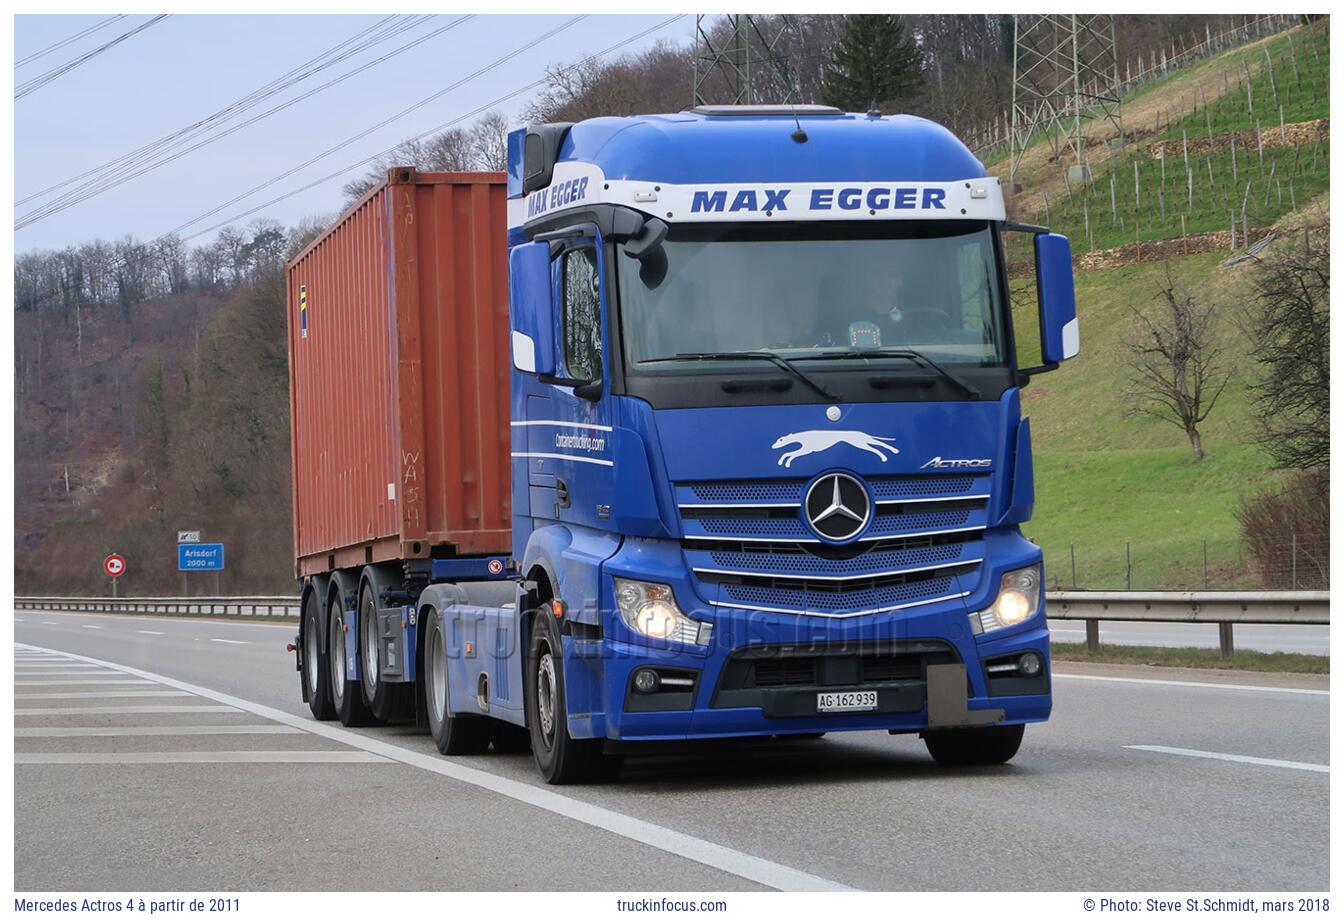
[{"x": 687, "y": 426}]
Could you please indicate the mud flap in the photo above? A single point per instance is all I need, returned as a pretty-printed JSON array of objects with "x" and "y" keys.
[{"x": 947, "y": 699}]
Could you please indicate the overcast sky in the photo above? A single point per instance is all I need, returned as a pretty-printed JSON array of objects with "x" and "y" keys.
[{"x": 187, "y": 67}]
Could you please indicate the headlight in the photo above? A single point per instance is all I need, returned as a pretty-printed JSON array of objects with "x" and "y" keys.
[
  {"x": 1019, "y": 597},
  {"x": 650, "y": 610}
]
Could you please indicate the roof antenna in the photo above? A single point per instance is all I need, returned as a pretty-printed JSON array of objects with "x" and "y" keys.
[
  {"x": 799, "y": 136},
  {"x": 873, "y": 110}
]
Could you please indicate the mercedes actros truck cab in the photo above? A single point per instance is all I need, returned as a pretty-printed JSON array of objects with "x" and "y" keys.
[{"x": 767, "y": 463}]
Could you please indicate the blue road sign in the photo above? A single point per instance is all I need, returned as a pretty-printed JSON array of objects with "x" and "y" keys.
[{"x": 200, "y": 557}]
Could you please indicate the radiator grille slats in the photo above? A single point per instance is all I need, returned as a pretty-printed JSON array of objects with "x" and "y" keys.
[{"x": 749, "y": 546}]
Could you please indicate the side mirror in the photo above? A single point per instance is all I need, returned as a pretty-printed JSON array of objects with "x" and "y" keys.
[
  {"x": 1054, "y": 291},
  {"x": 531, "y": 318}
]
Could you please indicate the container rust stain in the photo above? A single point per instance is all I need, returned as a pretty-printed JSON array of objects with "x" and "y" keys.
[{"x": 398, "y": 320}]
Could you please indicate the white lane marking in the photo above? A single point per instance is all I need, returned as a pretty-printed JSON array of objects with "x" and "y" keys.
[
  {"x": 1194, "y": 683},
  {"x": 77, "y": 681},
  {"x": 88, "y": 626},
  {"x": 56, "y": 669},
  {"x": 1235, "y": 758},
  {"x": 116, "y": 731},
  {"x": 98, "y": 694},
  {"x": 139, "y": 757},
  {"x": 230, "y": 641},
  {"x": 716, "y": 856},
  {"x": 49, "y": 623},
  {"x": 149, "y": 632},
  {"x": 233, "y": 620},
  {"x": 117, "y": 710},
  {"x": 20, "y": 620}
]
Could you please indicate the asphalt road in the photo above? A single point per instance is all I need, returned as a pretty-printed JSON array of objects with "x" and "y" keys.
[{"x": 171, "y": 754}]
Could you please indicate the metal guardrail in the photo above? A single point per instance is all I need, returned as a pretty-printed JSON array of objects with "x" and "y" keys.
[
  {"x": 1226, "y": 608},
  {"x": 244, "y": 606}
]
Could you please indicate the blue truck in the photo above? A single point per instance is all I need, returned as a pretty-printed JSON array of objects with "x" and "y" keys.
[{"x": 767, "y": 460}]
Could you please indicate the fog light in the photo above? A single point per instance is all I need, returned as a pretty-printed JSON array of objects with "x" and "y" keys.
[
  {"x": 646, "y": 680},
  {"x": 1029, "y": 664}
]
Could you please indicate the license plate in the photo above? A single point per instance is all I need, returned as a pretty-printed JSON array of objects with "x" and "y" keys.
[{"x": 855, "y": 701}]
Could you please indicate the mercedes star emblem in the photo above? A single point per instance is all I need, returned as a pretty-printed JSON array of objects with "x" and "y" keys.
[{"x": 837, "y": 507}]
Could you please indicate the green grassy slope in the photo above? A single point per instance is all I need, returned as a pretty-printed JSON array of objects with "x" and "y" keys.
[{"x": 1104, "y": 476}]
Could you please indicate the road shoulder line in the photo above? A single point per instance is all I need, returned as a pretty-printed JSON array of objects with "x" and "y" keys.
[{"x": 724, "y": 859}]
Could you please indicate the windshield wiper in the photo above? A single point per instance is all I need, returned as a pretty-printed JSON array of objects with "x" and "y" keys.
[
  {"x": 910, "y": 355},
  {"x": 774, "y": 358}
]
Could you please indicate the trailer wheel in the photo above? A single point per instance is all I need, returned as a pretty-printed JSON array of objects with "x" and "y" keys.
[
  {"x": 315, "y": 674},
  {"x": 345, "y": 697},
  {"x": 386, "y": 701},
  {"x": 967, "y": 747},
  {"x": 562, "y": 760},
  {"x": 452, "y": 734}
]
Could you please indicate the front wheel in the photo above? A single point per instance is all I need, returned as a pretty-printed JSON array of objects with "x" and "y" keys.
[
  {"x": 452, "y": 734},
  {"x": 965, "y": 747},
  {"x": 561, "y": 758}
]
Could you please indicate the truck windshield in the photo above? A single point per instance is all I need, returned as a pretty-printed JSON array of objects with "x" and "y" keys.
[{"x": 814, "y": 291}]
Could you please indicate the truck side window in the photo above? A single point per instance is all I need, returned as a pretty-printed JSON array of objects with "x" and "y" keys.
[{"x": 583, "y": 315}]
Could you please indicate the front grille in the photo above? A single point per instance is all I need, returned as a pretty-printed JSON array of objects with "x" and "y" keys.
[
  {"x": 766, "y": 668},
  {"x": 924, "y": 543},
  {"x": 835, "y": 601},
  {"x": 784, "y": 673}
]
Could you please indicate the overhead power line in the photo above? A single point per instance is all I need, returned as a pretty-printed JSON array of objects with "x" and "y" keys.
[
  {"x": 498, "y": 62},
  {"x": 102, "y": 24},
  {"x": 42, "y": 80},
  {"x": 448, "y": 124},
  {"x": 297, "y": 73},
  {"x": 147, "y": 158},
  {"x": 424, "y": 134}
]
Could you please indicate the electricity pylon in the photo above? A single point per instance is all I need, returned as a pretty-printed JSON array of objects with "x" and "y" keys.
[
  {"x": 1064, "y": 73},
  {"x": 741, "y": 60}
]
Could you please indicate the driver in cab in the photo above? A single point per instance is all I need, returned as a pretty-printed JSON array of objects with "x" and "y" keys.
[{"x": 885, "y": 314}]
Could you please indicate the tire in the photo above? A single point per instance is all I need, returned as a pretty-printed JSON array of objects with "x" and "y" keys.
[
  {"x": 561, "y": 759},
  {"x": 315, "y": 674},
  {"x": 452, "y": 734},
  {"x": 345, "y": 695},
  {"x": 974, "y": 747},
  {"x": 385, "y": 701},
  {"x": 511, "y": 739}
]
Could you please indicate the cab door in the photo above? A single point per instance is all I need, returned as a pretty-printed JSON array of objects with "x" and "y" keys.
[{"x": 569, "y": 428}]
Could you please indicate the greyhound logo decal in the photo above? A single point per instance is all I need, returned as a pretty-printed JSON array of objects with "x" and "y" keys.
[{"x": 813, "y": 442}]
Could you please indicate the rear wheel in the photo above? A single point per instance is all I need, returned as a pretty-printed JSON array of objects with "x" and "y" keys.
[
  {"x": 315, "y": 674},
  {"x": 965, "y": 747},
  {"x": 345, "y": 695},
  {"x": 452, "y": 734},
  {"x": 384, "y": 700},
  {"x": 561, "y": 758}
]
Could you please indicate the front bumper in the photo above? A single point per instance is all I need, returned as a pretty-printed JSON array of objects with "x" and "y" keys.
[{"x": 938, "y": 679}]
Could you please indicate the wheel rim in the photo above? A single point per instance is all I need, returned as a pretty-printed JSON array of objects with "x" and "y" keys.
[
  {"x": 438, "y": 676},
  {"x": 368, "y": 624},
  {"x": 337, "y": 655},
  {"x": 546, "y": 695},
  {"x": 310, "y": 642}
]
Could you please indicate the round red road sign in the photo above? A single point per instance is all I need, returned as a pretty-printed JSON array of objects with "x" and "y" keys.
[{"x": 114, "y": 565}]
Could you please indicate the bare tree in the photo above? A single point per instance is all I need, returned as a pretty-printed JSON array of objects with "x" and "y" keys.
[
  {"x": 1289, "y": 329},
  {"x": 1177, "y": 363},
  {"x": 489, "y": 142}
]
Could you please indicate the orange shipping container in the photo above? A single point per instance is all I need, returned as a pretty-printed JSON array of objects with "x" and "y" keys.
[{"x": 399, "y": 376}]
